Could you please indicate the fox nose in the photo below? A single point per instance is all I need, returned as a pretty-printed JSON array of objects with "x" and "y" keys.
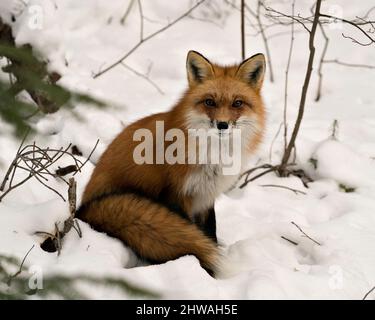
[{"x": 222, "y": 125}]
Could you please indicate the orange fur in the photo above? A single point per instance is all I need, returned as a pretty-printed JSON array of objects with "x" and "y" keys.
[{"x": 151, "y": 230}]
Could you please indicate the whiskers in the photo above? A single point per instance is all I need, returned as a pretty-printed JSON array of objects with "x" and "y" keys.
[
  {"x": 249, "y": 129},
  {"x": 247, "y": 125}
]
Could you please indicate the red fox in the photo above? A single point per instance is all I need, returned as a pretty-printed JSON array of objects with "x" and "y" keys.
[{"x": 163, "y": 211}]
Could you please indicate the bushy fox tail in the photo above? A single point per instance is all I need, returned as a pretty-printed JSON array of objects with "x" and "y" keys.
[{"x": 150, "y": 229}]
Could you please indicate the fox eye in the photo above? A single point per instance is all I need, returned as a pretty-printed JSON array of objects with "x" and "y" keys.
[
  {"x": 237, "y": 103},
  {"x": 209, "y": 103}
]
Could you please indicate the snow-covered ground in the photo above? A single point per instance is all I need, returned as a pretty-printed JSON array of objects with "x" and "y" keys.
[{"x": 82, "y": 37}]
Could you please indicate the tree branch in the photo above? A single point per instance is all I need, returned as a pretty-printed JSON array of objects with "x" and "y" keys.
[
  {"x": 347, "y": 64},
  {"x": 305, "y": 87},
  {"x": 243, "y": 29},
  {"x": 152, "y": 35},
  {"x": 356, "y": 25},
  {"x": 305, "y": 234},
  {"x": 368, "y": 293},
  {"x": 287, "y": 81},
  {"x": 283, "y": 187},
  {"x": 320, "y": 68},
  {"x": 143, "y": 76},
  {"x": 21, "y": 266}
]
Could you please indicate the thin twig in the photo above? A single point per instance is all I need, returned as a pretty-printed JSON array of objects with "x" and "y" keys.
[
  {"x": 128, "y": 9},
  {"x": 243, "y": 29},
  {"x": 15, "y": 186},
  {"x": 256, "y": 177},
  {"x": 355, "y": 24},
  {"x": 132, "y": 50},
  {"x": 142, "y": 20},
  {"x": 305, "y": 87},
  {"x": 368, "y": 12},
  {"x": 368, "y": 293},
  {"x": 250, "y": 171},
  {"x": 346, "y": 64},
  {"x": 69, "y": 223},
  {"x": 88, "y": 158},
  {"x": 273, "y": 141},
  {"x": 291, "y": 241},
  {"x": 245, "y": 16},
  {"x": 44, "y": 233},
  {"x": 283, "y": 187},
  {"x": 143, "y": 76},
  {"x": 304, "y": 233},
  {"x": 37, "y": 162},
  {"x": 77, "y": 228},
  {"x": 14, "y": 162},
  {"x": 21, "y": 266},
  {"x": 58, "y": 239},
  {"x": 50, "y": 188},
  {"x": 257, "y": 16},
  {"x": 321, "y": 62},
  {"x": 287, "y": 81},
  {"x": 300, "y": 20},
  {"x": 269, "y": 168}
]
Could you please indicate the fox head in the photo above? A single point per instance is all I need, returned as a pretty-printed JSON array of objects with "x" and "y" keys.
[{"x": 225, "y": 97}]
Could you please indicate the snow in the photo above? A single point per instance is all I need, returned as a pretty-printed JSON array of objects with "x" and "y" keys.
[
  {"x": 80, "y": 38},
  {"x": 356, "y": 170}
]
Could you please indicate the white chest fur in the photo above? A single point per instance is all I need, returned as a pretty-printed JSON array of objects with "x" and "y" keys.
[{"x": 205, "y": 184}]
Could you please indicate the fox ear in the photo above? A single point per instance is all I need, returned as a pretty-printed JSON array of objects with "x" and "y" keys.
[
  {"x": 252, "y": 71},
  {"x": 198, "y": 68}
]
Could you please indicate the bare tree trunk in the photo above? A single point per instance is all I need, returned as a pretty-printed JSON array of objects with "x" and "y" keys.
[
  {"x": 243, "y": 29},
  {"x": 282, "y": 168},
  {"x": 320, "y": 69},
  {"x": 265, "y": 40},
  {"x": 286, "y": 82}
]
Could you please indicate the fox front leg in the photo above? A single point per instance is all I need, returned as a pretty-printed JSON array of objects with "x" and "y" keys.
[
  {"x": 207, "y": 223},
  {"x": 210, "y": 224}
]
